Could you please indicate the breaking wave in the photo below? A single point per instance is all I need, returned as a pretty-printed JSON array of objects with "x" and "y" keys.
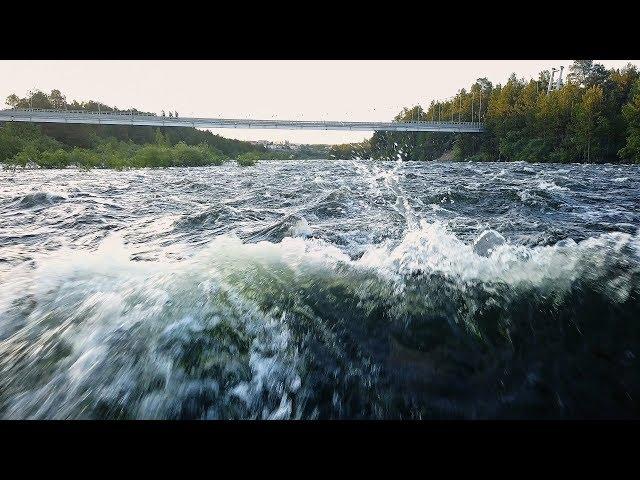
[
  {"x": 298, "y": 329},
  {"x": 291, "y": 314}
]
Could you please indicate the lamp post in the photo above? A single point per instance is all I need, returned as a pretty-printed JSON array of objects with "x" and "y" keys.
[
  {"x": 473, "y": 99},
  {"x": 453, "y": 101}
]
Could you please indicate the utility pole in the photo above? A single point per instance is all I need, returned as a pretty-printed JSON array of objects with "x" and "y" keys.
[
  {"x": 459, "y": 108},
  {"x": 559, "y": 82},
  {"x": 473, "y": 99},
  {"x": 550, "y": 86}
]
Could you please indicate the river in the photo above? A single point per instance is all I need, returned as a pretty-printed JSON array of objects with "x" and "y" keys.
[{"x": 321, "y": 289}]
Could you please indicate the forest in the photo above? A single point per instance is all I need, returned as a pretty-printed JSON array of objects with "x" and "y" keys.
[
  {"x": 50, "y": 145},
  {"x": 593, "y": 117}
]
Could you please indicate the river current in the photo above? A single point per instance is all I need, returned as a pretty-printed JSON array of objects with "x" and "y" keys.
[{"x": 321, "y": 289}]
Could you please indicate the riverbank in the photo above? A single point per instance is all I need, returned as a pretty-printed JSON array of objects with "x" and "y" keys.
[
  {"x": 27, "y": 146},
  {"x": 593, "y": 117},
  {"x": 125, "y": 146}
]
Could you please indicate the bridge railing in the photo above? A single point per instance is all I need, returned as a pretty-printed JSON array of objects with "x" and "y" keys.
[
  {"x": 242, "y": 120},
  {"x": 195, "y": 121},
  {"x": 85, "y": 112}
]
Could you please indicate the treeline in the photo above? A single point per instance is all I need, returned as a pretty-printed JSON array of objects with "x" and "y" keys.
[
  {"x": 24, "y": 144},
  {"x": 593, "y": 117},
  {"x": 299, "y": 152},
  {"x": 350, "y": 150},
  {"x": 110, "y": 146}
]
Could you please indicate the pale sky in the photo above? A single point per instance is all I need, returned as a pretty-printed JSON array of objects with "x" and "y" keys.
[{"x": 311, "y": 90}]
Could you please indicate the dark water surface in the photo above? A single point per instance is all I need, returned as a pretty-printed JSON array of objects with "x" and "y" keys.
[{"x": 321, "y": 289}]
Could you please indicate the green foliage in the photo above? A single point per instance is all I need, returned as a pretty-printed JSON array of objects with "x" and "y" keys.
[
  {"x": 195, "y": 156},
  {"x": 588, "y": 122},
  {"x": 84, "y": 158},
  {"x": 181, "y": 155},
  {"x": 10, "y": 145},
  {"x": 29, "y": 154},
  {"x": 24, "y": 144},
  {"x": 111, "y": 146},
  {"x": 579, "y": 71},
  {"x": 594, "y": 117},
  {"x": 152, "y": 156},
  {"x": 248, "y": 159},
  {"x": 631, "y": 114},
  {"x": 114, "y": 140},
  {"x": 350, "y": 150},
  {"x": 160, "y": 139}
]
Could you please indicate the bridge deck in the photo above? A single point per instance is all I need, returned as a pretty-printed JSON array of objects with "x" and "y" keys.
[{"x": 121, "y": 118}]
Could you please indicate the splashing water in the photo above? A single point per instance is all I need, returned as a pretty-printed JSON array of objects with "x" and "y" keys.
[{"x": 321, "y": 290}]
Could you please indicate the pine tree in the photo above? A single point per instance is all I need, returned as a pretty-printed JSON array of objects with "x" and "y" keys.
[
  {"x": 579, "y": 71},
  {"x": 631, "y": 114}
]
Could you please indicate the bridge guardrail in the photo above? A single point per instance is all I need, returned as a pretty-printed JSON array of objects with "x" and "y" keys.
[
  {"x": 86, "y": 112},
  {"x": 77, "y": 116},
  {"x": 238, "y": 120}
]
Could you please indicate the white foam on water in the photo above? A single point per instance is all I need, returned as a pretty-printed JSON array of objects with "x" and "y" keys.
[
  {"x": 95, "y": 327},
  {"x": 551, "y": 186},
  {"x": 301, "y": 228},
  {"x": 109, "y": 315},
  {"x": 433, "y": 249}
]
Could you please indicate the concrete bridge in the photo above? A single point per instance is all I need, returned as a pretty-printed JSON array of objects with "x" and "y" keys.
[{"x": 137, "y": 118}]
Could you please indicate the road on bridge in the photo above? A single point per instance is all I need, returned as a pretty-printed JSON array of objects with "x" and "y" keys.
[{"x": 125, "y": 118}]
